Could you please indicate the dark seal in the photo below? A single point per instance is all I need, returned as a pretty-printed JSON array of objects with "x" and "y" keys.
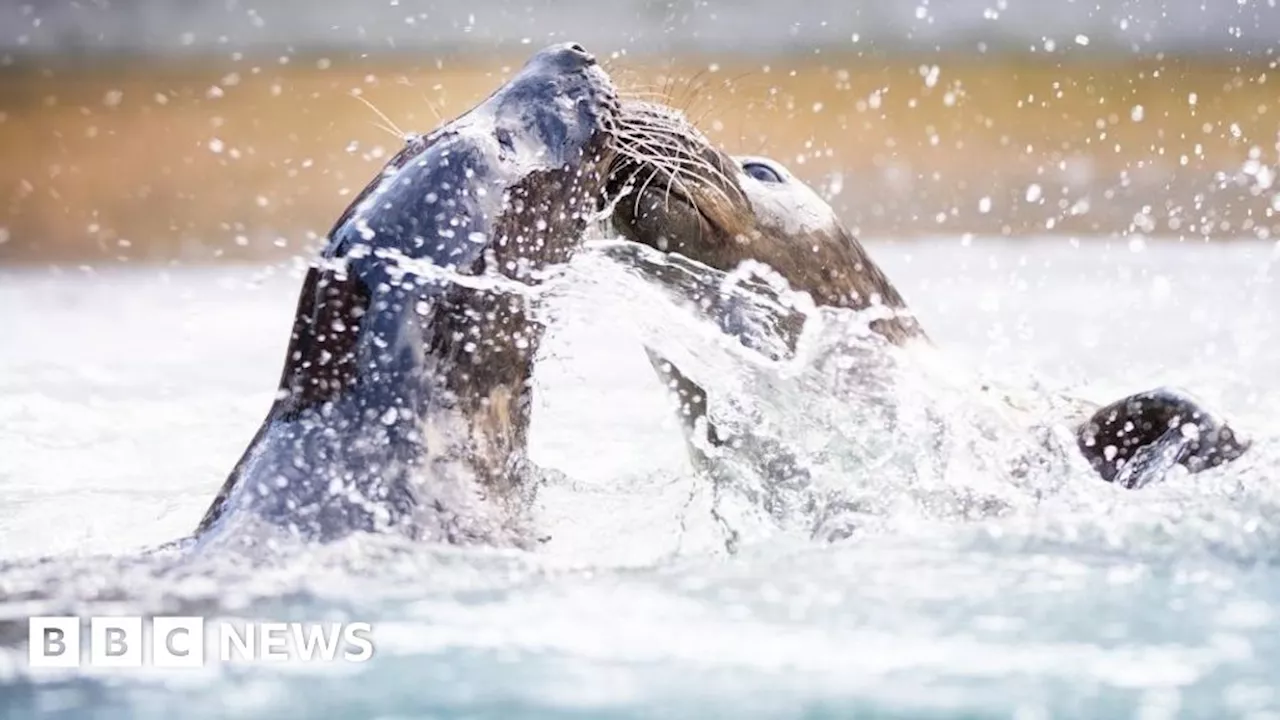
[
  {"x": 405, "y": 398},
  {"x": 681, "y": 194}
]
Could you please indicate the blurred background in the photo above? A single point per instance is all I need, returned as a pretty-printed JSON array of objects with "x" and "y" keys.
[{"x": 201, "y": 130}]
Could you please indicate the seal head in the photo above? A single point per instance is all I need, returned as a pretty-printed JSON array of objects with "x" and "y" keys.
[
  {"x": 680, "y": 193},
  {"x": 405, "y": 397}
]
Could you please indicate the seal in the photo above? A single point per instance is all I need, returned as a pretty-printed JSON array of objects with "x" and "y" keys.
[
  {"x": 405, "y": 397},
  {"x": 678, "y": 193}
]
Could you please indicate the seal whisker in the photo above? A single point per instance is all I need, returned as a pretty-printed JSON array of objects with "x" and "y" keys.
[
  {"x": 676, "y": 180},
  {"x": 392, "y": 127},
  {"x": 403, "y": 80},
  {"x": 674, "y": 166},
  {"x": 646, "y": 130},
  {"x": 668, "y": 83},
  {"x": 658, "y": 143},
  {"x": 432, "y": 107},
  {"x": 715, "y": 176},
  {"x": 673, "y": 171},
  {"x": 666, "y": 141},
  {"x": 693, "y": 89},
  {"x": 640, "y": 191},
  {"x": 643, "y": 96}
]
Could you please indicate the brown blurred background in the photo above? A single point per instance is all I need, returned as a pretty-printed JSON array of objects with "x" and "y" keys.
[{"x": 154, "y": 130}]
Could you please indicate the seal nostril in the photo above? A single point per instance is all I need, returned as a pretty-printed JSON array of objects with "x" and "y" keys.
[{"x": 581, "y": 52}]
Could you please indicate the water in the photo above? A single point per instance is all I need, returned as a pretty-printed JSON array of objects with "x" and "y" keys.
[{"x": 127, "y": 395}]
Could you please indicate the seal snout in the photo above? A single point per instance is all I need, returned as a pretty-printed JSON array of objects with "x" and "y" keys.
[
  {"x": 582, "y": 52},
  {"x": 565, "y": 57},
  {"x": 578, "y": 52}
]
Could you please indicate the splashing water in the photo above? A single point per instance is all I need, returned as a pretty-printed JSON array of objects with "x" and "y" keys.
[
  {"x": 975, "y": 555},
  {"x": 866, "y": 430}
]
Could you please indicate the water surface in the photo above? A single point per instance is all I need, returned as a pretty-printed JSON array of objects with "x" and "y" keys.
[{"x": 127, "y": 394}]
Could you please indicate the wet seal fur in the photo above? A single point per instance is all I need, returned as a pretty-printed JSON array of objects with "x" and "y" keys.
[
  {"x": 405, "y": 398},
  {"x": 680, "y": 194}
]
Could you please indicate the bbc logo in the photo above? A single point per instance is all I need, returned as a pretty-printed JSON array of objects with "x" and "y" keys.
[
  {"x": 176, "y": 642},
  {"x": 180, "y": 642}
]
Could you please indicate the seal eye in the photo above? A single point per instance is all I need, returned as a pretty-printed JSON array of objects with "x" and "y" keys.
[{"x": 761, "y": 172}]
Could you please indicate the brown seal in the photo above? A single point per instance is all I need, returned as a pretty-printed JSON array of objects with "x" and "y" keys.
[
  {"x": 677, "y": 192},
  {"x": 405, "y": 398},
  {"x": 681, "y": 194}
]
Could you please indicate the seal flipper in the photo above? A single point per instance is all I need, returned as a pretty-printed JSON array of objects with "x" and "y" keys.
[
  {"x": 1137, "y": 440},
  {"x": 699, "y": 432}
]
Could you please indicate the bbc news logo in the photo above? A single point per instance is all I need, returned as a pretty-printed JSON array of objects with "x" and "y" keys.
[{"x": 186, "y": 642}]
